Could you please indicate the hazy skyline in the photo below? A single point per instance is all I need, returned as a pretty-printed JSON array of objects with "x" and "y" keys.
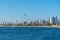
[{"x": 11, "y": 10}]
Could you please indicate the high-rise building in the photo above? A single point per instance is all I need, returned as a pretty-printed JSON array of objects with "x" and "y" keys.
[
  {"x": 58, "y": 19},
  {"x": 52, "y": 20},
  {"x": 16, "y": 21}
]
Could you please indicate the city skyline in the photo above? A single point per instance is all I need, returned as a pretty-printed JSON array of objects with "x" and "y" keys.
[
  {"x": 52, "y": 20},
  {"x": 12, "y": 10}
]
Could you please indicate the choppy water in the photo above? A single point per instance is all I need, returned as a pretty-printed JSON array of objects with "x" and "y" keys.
[{"x": 29, "y": 33}]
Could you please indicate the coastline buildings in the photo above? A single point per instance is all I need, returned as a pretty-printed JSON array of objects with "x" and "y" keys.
[
  {"x": 43, "y": 23},
  {"x": 51, "y": 21},
  {"x": 54, "y": 21}
]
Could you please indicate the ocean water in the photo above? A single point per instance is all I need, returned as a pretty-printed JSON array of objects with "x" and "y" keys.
[{"x": 29, "y": 33}]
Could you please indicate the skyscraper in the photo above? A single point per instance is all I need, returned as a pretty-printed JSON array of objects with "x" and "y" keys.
[
  {"x": 58, "y": 19},
  {"x": 52, "y": 20}
]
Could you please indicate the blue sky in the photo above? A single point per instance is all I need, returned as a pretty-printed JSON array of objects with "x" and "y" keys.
[{"x": 11, "y": 10}]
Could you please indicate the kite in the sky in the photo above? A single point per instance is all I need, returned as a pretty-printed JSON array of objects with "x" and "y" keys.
[{"x": 24, "y": 14}]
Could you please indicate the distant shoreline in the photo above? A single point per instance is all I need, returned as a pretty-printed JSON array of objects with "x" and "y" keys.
[{"x": 32, "y": 26}]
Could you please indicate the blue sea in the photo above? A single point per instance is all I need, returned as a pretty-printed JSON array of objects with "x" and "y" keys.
[{"x": 29, "y": 33}]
